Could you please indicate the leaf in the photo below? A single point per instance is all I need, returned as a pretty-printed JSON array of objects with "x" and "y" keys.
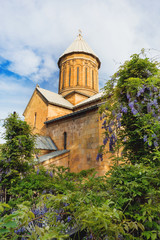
[
  {"x": 154, "y": 236},
  {"x": 11, "y": 224}
]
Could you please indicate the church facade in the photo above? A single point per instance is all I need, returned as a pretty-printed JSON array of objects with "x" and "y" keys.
[{"x": 68, "y": 124}]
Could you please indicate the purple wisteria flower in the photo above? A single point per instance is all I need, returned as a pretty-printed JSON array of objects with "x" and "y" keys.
[
  {"x": 124, "y": 109},
  {"x": 99, "y": 156},
  {"x": 128, "y": 96},
  {"x": 37, "y": 171},
  {"x": 119, "y": 124},
  {"x": 148, "y": 107},
  {"x": 154, "y": 135},
  {"x": 119, "y": 115},
  {"x": 113, "y": 112},
  {"x": 69, "y": 219},
  {"x": 105, "y": 140},
  {"x": 155, "y": 89},
  {"x": 141, "y": 90},
  {"x": 155, "y": 143},
  {"x": 104, "y": 123},
  {"x": 110, "y": 129},
  {"x": 51, "y": 174},
  {"x": 58, "y": 218},
  {"x": 131, "y": 104},
  {"x": 134, "y": 111},
  {"x": 145, "y": 138}
]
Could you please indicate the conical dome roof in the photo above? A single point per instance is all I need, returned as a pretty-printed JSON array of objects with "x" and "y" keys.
[{"x": 79, "y": 46}]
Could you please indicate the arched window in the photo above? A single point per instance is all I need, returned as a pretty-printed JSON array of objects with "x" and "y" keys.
[
  {"x": 86, "y": 76},
  {"x": 92, "y": 79},
  {"x": 69, "y": 76},
  {"x": 77, "y": 75},
  {"x": 65, "y": 140}
]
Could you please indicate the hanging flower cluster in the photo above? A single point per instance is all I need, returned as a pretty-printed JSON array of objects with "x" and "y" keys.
[{"x": 142, "y": 101}]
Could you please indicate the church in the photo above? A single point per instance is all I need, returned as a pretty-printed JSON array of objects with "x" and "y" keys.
[{"x": 67, "y": 124}]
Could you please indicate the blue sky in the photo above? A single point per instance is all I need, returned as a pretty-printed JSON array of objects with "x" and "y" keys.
[{"x": 34, "y": 33}]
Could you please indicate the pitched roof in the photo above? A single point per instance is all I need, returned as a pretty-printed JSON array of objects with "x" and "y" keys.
[
  {"x": 43, "y": 142},
  {"x": 50, "y": 155},
  {"x": 79, "y": 45},
  {"x": 55, "y": 98},
  {"x": 91, "y": 99}
]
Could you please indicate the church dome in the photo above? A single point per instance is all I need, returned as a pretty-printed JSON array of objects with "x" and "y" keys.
[
  {"x": 78, "y": 69},
  {"x": 79, "y": 46}
]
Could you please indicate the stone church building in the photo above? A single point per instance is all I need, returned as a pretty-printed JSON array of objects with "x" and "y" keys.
[{"x": 68, "y": 124}]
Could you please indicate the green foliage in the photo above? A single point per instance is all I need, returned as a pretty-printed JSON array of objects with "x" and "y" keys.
[
  {"x": 132, "y": 110},
  {"x": 122, "y": 205},
  {"x": 17, "y": 152}
]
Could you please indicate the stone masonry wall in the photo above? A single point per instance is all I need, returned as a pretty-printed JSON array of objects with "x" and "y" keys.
[{"x": 82, "y": 139}]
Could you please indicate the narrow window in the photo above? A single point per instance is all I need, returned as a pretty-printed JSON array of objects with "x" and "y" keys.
[
  {"x": 63, "y": 79},
  {"x": 77, "y": 75},
  {"x": 69, "y": 77},
  {"x": 92, "y": 79},
  {"x": 65, "y": 140},
  {"x": 35, "y": 118},
  {"x": 86, "y": 77}
]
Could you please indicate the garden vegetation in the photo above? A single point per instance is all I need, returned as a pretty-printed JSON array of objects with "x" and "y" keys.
[{"x": 124, "y": 204}]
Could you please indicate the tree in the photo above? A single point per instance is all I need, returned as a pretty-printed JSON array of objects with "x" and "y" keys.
[
  {"x": 17, "y": 152},
  {"x": 132, "y": 124},
  {"x": 132, "y": 111}
]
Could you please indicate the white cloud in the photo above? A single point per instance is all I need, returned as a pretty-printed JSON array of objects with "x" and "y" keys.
[
  {"x": 34, "y": 33},
  {"x": 32, "y": 29}
]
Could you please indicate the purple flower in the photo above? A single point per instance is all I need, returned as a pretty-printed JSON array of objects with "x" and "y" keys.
[
  {"x": 128, "y": 96},
  {"x": 99, "y": 156},
  {"x": 110, "y": 146},
  {"x": 58, "y": 218},
  {"x": 69, "y": 218},
  {"x": 119, "y": 115},
  {"x": 113, "y": 112},
  {"x": 131, "y": 104},
  {"x": 66, "y": 204},
  {"x": 148, "y": 73},
  {"x": 134, "y": 111},
  {"x": 105, "y": 141},
  {"x": 138, "y": 93},
  {"x": 145, "y": 138},
  {"x": 153, "y": 135},
  {"x": 155, "y": 89},
  {"x": 110, "y": 129},
  {"x": 37, "y": 171},
  {"x": 124, "y": 109},
  {"x": 155, "y": 143},
  {"x": 151, "y": 94},
  {"x": 119, "y": 124},
  {"x": 51, "y": 174},
  {"x": 104, "y": 123},
  {"x": 155, "y": 103}
]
